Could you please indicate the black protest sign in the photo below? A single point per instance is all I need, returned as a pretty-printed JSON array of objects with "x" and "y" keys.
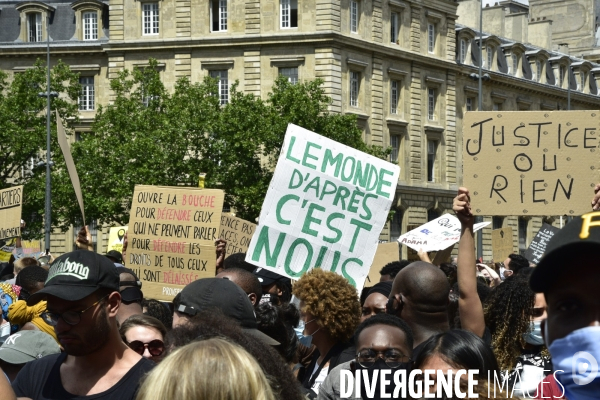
[
  {"x": 531, "y": 163},
  {"x": 538, "y": 246}
]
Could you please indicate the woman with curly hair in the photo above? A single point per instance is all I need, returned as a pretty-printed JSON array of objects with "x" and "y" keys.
[
  {"x": 330, "y": 310},
  {"x": 513, "y": 312}
]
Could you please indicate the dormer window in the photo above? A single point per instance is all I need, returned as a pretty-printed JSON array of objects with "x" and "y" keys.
[
  {"x": 88, "y": 14},
  {"x": 489, "y": 53},
  {"x": 34, "y": 26},
  {"x": 34, "y": 17},
  {"x": 464, "y": 39}
]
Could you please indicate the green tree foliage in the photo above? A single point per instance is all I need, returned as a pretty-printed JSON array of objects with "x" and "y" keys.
[
  {"x": 23, "y": 131},
  {"x": 152, "y": 137}
]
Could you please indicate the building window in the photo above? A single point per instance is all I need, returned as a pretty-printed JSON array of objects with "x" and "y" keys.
[
  {"x": 34, "y": 22},
  {"x": 86, "y": 96},
  {"x": 90, "y": 25},
  {"x": 497, "y": 222},
  {"x": 522, "y": 235},
  {"x": 221, "y": 76},
  {"x": 394, "y": 97},
  {"x": 431, "y": 98},
  {"x": 150, "y": 18},
  {"x": 433, "y": 214},
  {"x": 431, "y": 154},
  {"x": 469, "y": 104},
  {"x": 561, "y": 76},
  {"x": 463, "y": 51},
  {"x": 396, "y": 225},
  {"x": 431, "y": 37},
  {"x": 395, "y": 145},
  {"x": 354, "y": 16},
  {"x": 394, "y": 28},
  {"x": 78, "y": 136},
  {"x": 291, "y": 73},
  {"x": 219, "y": 15},
  {"x": 515, "y": 64},
  {"x": 497, "y": 107},
  {"x": 354, "y": 88},
  {"x": 581, "y": 84},
  {"x": 490, "y": 56},
  {"x": 289, "y": 13}
]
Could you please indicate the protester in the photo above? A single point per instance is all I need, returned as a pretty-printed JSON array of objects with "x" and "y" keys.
[
  {"x": 145, "y": 335},
  {"x": 31, "y": 280},
  {"x": 330, "y": 309},
  {"x": 83, "y": 297},
  {"x": 214, "y": 369},
  {"x": 221, "y": 294},
  {"x": 450, "y": 270},
  {"x": 569, "y": 277},
  {"x": 382, "y": 342},
  {"x": 23, "y": 347},
  {"x": 237, "y": 260},
  {"x": 513, "y": 264},
  {"x": 492, "y": 278},
  {"x": 246, "y": 280},
  {"x": 210, "y": 323},
  {"x": 376, "y": 300},
  {"x": 420, "y": 297},
  {"x": 455, "y": 350},
  {"x": 158, "y": 310},
  {"x": 389, "y": 271},
  {"x": 220, "y": 251},
  {"x": 276, "y": 287},
  {"x": 6, "y": 392},
  {"x": 130, "y": 288},
  {"x": 9, "y": 294},
  {"x": 115, "y": 257},
  {"x": 23, "y": 263}
]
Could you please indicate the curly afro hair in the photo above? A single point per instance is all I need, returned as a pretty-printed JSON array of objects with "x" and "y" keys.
[
  {"x": 332, "y": 300},
  {"x": 508, "y": 311}
]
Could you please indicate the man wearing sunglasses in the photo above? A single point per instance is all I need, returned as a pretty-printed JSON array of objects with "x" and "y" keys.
[{"x": 83, "y": 298}]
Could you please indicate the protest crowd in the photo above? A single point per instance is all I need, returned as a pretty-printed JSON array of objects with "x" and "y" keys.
[{"x": 81, "y": 327}]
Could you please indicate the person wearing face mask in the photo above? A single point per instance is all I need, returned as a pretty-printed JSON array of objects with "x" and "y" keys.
[
  {"x": 514, "y": 314},
  {"x": 330, "y": 309},
  {"x": 569, "y": 277},
  {"x": 382, "y": 341}
]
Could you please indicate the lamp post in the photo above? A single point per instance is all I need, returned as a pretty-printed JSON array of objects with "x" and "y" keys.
[
  {"x": 48, "y": 94},
  {"x": 479, "y": 108}
]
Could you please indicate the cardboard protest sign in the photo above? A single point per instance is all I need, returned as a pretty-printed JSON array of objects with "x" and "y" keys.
[
  {"x": 171, "y": 241},
  {"x": 537, "y": 248},
  {"x": 531, "y": 163},
  {"x": 237, "y": 232},
  {"x": 66, "y": 150},
  {"x": 325, "y": 207},
  {"x": 116, "y": 236},
  {"x": 437, "y": 234},
  {"x": 502, "y": 243},
  {"x": 11, "y": 202},
  {"x": 385, "y": 254},
  {"x": 6, "y": 250}
]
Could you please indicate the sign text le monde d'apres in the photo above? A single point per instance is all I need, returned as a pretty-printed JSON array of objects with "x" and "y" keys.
[
  {"x": 325, "y": 207},
  {"x": 171, "y": 236},
  {"x": 531, "y": 163}
]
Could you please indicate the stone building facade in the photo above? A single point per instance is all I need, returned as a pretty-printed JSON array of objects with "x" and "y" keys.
[{"x": 404, "y": 67}]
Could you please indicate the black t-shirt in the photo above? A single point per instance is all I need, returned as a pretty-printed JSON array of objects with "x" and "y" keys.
[{"x": 40, "y": 380}]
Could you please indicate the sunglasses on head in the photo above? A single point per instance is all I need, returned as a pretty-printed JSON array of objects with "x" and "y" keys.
[{"x": 155, "y": 347}]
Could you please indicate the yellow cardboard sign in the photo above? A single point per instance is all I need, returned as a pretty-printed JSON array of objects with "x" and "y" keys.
[
  {"x": 531, "y": 162},
  {"x": 237, "y": 232},
  {"x": 386, "y": 253},
  {"x": 11, "y": 202},
  {"x": 502, "y": 243},
  {"x": 171, "y": 237},
  {"x": 116, "y": 236}
]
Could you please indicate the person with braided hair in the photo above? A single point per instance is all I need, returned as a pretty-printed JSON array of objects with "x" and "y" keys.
[{"x": 514, "y": 313}]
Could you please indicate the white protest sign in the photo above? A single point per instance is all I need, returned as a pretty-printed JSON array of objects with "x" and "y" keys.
[
  {"x": 436, "y": 235},
  {"x": 325, "y": 207}
]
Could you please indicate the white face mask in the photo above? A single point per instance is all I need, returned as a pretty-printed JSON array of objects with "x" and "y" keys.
[{"x": 534, "y": 336}]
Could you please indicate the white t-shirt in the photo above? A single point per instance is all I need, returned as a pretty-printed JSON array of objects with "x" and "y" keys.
[{"x": 320, "y": 378}]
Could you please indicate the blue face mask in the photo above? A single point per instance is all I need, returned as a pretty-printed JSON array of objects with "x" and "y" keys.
[
  {"x": 534, "y": 336},
  {"x": 577, "y": 355}
]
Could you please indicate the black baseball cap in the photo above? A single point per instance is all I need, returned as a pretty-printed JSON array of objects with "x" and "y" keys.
[
  {"x": 115, "y": 255},
  {"x": 580, "y": 235},
  {"x": 76, "y": 275},
  {"x": 131, "y": 291},
  {"x": 225, "y": 295},
  {"x": 266, "y": 277}
]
